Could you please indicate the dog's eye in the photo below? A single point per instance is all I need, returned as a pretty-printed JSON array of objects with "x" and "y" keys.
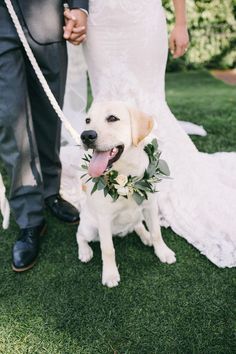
[
  {"x": 112, "y": 118},
  {"x": 88, "y": 120}
]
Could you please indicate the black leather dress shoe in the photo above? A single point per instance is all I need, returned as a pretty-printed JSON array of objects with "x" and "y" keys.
[
  {"x": 62, "y": 209},
  {"x": 26, "y": 248}
]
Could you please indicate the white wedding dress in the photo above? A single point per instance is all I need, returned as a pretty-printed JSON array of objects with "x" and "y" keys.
[{"x": 126, "y": 54}]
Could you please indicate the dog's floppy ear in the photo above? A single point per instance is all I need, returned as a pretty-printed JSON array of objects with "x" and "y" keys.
[{"x": 141, "y": 125}]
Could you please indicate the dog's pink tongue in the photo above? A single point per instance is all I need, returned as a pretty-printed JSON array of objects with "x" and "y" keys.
[{"x": 98, "y": 163}]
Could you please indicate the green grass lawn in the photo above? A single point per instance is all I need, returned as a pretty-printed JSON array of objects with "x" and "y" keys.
[{"x": 61, "y": 307}]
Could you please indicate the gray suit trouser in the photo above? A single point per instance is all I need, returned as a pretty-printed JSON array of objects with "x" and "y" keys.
[{"x": 29, "y": 128}]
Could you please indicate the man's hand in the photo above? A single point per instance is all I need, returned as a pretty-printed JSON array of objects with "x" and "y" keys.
[
  {"x": 179, "y": 40},
  {"x": 75, "y": 26}
]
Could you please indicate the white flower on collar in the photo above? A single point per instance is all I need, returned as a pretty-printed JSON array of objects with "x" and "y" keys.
[
  {"x": 121, "y": 180},
  {"x": 124, "y": 191}
]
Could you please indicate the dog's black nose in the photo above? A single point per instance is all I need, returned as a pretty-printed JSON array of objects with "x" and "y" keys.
[{"x": 89, "y": 137}]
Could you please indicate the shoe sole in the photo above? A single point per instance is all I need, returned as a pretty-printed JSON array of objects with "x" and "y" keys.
[
  {"x": 21, "y": 270},
  {"x": 65, "y": 222}
]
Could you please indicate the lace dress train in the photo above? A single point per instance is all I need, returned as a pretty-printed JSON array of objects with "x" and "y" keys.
[{"x": 126, "y": 54}]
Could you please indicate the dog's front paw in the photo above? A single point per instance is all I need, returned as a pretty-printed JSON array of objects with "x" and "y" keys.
[
  {"x": 146, "y": 239},
  {"x": 165, "y": 254},
  {"x": 111, "y": 278},
  {"x": 85, "y": 253}
]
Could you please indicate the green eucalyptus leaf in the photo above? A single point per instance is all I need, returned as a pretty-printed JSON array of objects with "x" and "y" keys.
[
  {"x": 94, "y": 188},
  {"x": 151, "y": 169},
  {"x": 101, "y": 184},
  {"x": 83, "y": 176},
  {"x": 163, "y": 167},
  {"x": 155, "y": 144},
  {"x": 138, "y": 198},
  {"x": 89, "y": 179},
  {"x": 106, "y": 191},
  {"x": 113, "y": 174},
  {"x": 144, "y": 185}
]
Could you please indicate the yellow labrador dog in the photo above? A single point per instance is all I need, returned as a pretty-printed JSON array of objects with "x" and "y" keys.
[{"x": 117, "y": 135}]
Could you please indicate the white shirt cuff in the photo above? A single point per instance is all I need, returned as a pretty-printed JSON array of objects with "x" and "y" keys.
[{"x": 85, "y": 11}]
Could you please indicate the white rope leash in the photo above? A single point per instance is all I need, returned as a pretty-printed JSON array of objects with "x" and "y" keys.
[
  {"x": 39, "y": 73},
  {"x": 4, "y": 204}
]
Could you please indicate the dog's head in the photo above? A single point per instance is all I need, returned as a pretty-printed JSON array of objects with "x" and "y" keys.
[{"x": 111, "y": 129}]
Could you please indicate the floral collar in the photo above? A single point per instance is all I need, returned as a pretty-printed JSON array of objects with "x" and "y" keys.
[{"x": 117, "y": 185}]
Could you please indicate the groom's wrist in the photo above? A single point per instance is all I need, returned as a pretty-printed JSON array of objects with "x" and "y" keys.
[{"x": 83, "y": 5}]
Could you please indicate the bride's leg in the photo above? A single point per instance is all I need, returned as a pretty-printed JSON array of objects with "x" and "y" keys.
[{"x": 75, "y": 100}]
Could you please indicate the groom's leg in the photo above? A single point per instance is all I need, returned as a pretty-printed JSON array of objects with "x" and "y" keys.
[
  {"x": 52, "y": 59},
  {"x": 17, "y": 144}
]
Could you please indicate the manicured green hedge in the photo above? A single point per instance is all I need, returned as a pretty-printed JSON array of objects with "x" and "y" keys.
[{"x": 212, "y": 28}]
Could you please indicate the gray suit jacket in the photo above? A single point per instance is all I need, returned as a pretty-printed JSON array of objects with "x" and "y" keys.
[{"x": 44, "y": 18}]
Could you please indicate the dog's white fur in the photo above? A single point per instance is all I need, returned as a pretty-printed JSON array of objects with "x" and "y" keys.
[{"x": 100, "y": 216}]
